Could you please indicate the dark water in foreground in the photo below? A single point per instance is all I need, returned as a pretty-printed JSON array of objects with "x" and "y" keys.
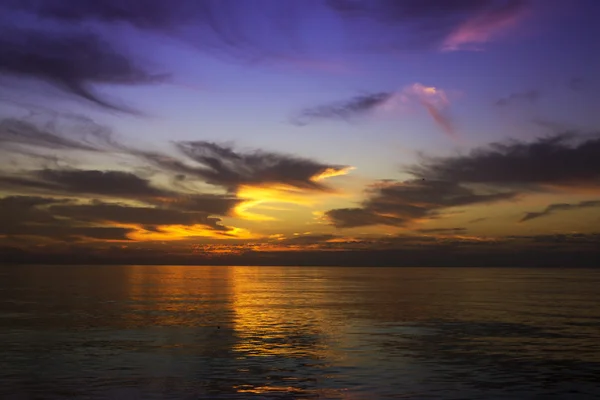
[{"x": 139, "y": 332}]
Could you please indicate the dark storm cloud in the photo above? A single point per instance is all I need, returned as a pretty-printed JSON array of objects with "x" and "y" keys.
[
  {"x": 553, "y": 208},
  {"x": 529, "y": 97},
  {"x": 399, "y": 203},
  {"x": 223, "y": 166},
  {"x": 345, "y": 110},
  {"x": 565, "y": 159},
  {"x": 72, "y": 61}
]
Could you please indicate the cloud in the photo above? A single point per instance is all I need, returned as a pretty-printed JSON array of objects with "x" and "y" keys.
[
  {"x": 553, "y": 208},
  {"x": 250, "y": 178},
  {"x": 30, "y": 216},
  {"x": 73, "y": 61},
  {"x": 585, "y": 239},
  {"x": 110, "y": 183},
  {"x": 223, "y": 166},
  {"x": 307, "y": 239},
  {"x": 344, "y": 110},
  {"x": 482, "y": 27},
  {"x": 444, "y": 25},
  {"x": 255, "y": 177},
  {"x": 433, "y": 100},
  {"x": 115, "y": 185},
  {"x": 118, "y": 184},
  {"x": 144, "y": 216},
  {"x": 69, "y": 45},
  {"x": 443, "y": 230},
  {"x": 400, "y": 203},
  {"x": 447, "y": 25},
  {"x": 55, "y": 219},
  {"x": 559, "y": 160},
  {"x": 531, "y": 97},
  {"x": 499, "y": 171},
  {"x": 54, "y": 131},
  {"x": 477, "y": 220},
  {"x": 154, "y": 14}
]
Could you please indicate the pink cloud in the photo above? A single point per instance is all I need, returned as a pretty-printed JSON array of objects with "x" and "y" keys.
[
  {"x": 434, "y": 100},
  {"x": 484, "y": 27}
]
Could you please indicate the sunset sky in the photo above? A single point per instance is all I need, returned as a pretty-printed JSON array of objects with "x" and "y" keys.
[{"x": 384, "y": 132}]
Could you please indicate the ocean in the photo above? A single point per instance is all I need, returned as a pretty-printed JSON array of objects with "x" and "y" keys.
[{"x": 185, "y": 332}]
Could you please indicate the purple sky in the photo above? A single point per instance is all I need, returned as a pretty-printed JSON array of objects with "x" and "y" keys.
[{"x": 362, "y": 88}]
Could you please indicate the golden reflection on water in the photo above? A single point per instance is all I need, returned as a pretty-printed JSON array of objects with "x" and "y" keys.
[
  {"x": 274, "y": 321},
  {"x": 182, "y": 295},
  {"x": 270, "y": 318}
]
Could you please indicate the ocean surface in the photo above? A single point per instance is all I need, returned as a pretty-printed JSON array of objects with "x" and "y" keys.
[{"x": 180, "y": 332}]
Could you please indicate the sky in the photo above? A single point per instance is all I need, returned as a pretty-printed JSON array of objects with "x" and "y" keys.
[{"x": 303, "y": 132}]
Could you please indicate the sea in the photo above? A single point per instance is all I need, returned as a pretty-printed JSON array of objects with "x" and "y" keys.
[{"x": 235, "y": 332}]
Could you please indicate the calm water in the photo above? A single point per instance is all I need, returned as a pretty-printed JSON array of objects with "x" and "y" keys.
[{"x": 140, "y": 332}]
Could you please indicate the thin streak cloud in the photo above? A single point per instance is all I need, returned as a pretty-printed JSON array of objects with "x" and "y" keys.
[{"x": 554, "y": 208}]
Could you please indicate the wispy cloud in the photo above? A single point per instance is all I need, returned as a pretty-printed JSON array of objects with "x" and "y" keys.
[
  {"x": 499, "y": 172},
  {"x": 477, "y": 220},
  {"x": 72, "y": 61},
  {"x": 485, "y": 25},
  {"x": 30, "y": 216},
  {"x": 67, "y": 45},
  {"x": 443, "y": 230},
  {"x": 174, "y": 208},
  {"x": 433, "y": 100},
  {"x": 345, "y": 110},
  {"x": 554, "y": 208},
  {"x": 401, "y": 203},
  {"x": 222, "y": 165},
  {"x": 530, "y": 96},
  {"x": 561, "y": 160},
  {"x": 55, "y": 132},
  {"x": 443, "y": 25}
]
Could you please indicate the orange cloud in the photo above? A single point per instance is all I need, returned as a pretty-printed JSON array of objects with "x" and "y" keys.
[
  {"x": 259, "y": 195},
  {"x": 331, "y": 172},
  {"x": 254, "y": 196},
  {"x": 181, "y": 232}
]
